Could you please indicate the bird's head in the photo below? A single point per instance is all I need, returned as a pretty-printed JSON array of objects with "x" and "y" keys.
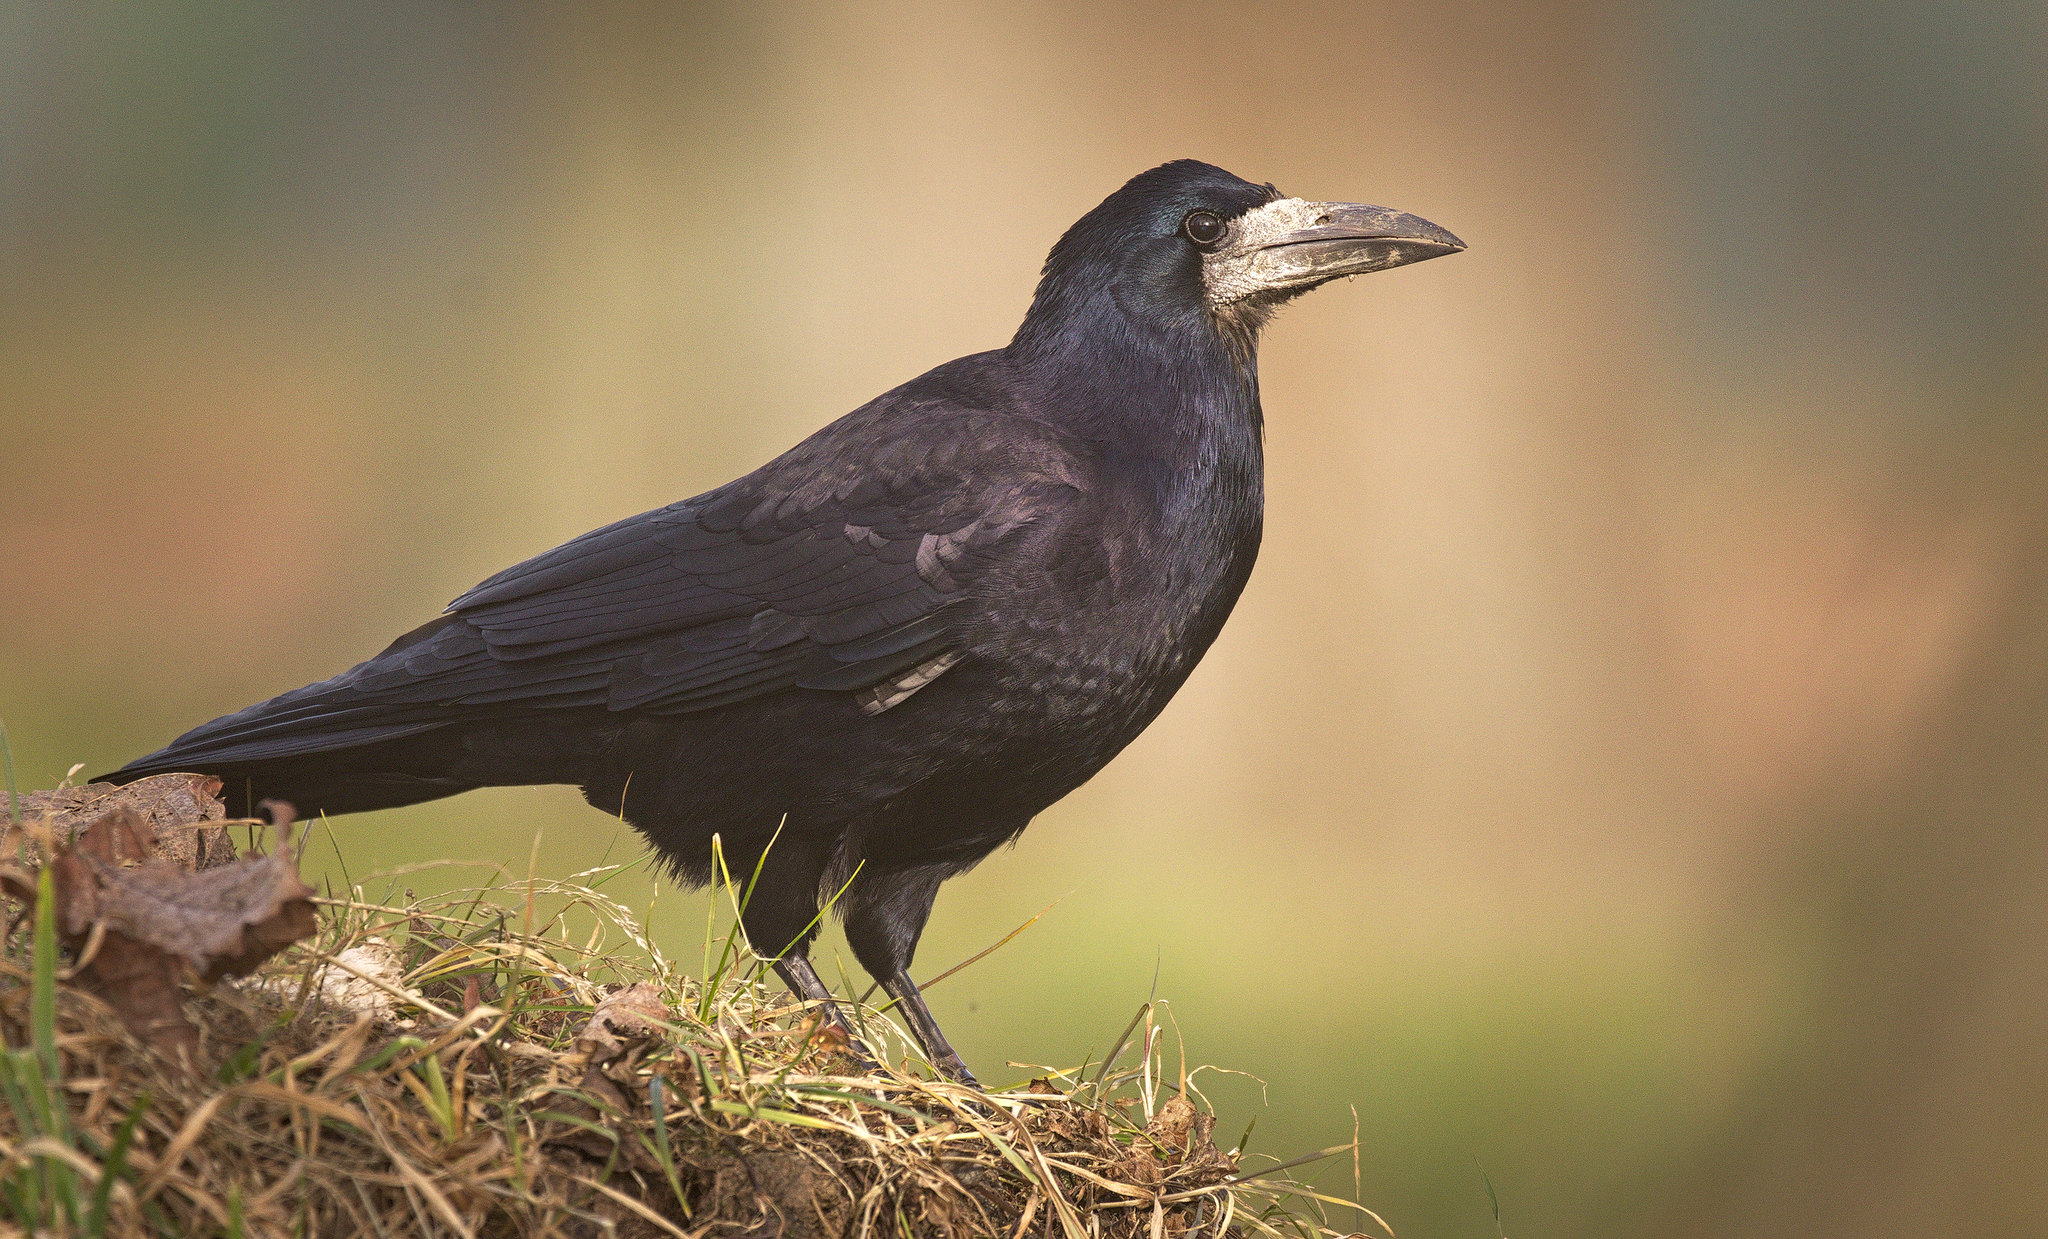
[{"x": 1187, "y": 242}]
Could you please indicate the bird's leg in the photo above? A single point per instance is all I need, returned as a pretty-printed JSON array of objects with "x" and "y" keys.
[
  {"x": 802, "y": 979},
  {"x": 936, "y": 1047},
  {"x": 885, "y": 912}
]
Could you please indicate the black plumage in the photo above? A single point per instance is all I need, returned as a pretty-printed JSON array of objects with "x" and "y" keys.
[{"x": 890, "y": 647}]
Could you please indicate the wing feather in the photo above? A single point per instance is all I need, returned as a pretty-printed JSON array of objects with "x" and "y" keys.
[
  {"x": 849, "y": 564},
  {"x": 836, "y": 567}
]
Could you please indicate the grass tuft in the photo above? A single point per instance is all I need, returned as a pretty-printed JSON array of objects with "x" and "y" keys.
[{"x": 421, "y": 1067}]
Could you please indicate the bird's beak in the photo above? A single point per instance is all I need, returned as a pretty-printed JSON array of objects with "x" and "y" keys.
[
  {"x": 1348, "y": 238},
  {"x": 1290, "y": 246}
]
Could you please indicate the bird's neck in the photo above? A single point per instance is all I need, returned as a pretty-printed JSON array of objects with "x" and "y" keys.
[{"x": 1173, "y": 389}]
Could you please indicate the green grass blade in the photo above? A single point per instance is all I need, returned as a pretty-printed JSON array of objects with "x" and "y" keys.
[
  {"x": 27, "y": 1196},
  {"x": 113, "y": 1168},
  {"x": 1491, "y": 1199},
  {"x": 43, "y": 979},
  {"x": 384, "y": 1056},
  {"x": 13, "y": 795},
  {"x": 847, "y": 1095},
  {"x": 46, "y": 1089},
  {"x": 774, "y": 1115},
  {"x": 428, "y": 1070},
  {"x": 1109, "y": 1060},
  {"x": 658, "y": 1108},
  {"x": 60, "y": 1181}
]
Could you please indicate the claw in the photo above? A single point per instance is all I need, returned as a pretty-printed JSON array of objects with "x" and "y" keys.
[
  {"x": 802, "y": 979},
  {"x": 944, "y": 1058}
]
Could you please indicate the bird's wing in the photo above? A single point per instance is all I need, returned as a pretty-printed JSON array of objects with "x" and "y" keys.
[
  {"x": 840, "y": 566},
  {"x": 844, "y": 565}
]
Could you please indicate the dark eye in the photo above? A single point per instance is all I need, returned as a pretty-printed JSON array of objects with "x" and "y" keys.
[{"x": 1202, "y": 227}]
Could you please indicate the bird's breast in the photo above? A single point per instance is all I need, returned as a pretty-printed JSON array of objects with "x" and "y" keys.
[{"x": 1116, "y": 617}]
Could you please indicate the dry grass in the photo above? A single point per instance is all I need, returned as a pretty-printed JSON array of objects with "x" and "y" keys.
[{"x": 426, "y": 1067}]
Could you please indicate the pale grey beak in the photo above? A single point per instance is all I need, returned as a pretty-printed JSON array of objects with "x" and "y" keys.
[
  {"x": 1349, "y": 238},
  {"x": 1286, "y": 247}
]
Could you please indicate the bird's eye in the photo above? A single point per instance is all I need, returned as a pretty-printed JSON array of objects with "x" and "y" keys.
[{"x": 1202, "y": 227}]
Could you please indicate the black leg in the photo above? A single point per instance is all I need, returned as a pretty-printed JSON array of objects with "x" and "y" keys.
[
  {"x": 885, "y": 913},
  {"x": 802, "y": 979},
  {"x": 781, "y": 919},
  {"x": 936, "y": 1047}
]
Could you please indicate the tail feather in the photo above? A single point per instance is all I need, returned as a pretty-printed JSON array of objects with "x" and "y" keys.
[
  {"x": 354, "y": 709},
  {"x": 252, "y": 736},
  {"x": 331, "y": 761},
  {"x": 294, "y": 725},
  {"x": 364, "y": 768},
  {"x": 392, "y": 731}
]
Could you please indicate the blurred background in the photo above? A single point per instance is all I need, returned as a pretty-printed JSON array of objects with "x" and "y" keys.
[{"x": 1625, "y": 772}]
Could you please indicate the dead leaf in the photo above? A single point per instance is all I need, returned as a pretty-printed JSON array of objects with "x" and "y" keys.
[
  {"x": 624, "y": 1020},
  {"x": 123, "y": 862},
  {"x": 373, "y": 957},
  {"x": 222, "y": 922},
  {"x": 1184, "y": 1134},
  {"x": 142, "y": 984},
  {"x": 632, "y": 1014},
  {"x": 173, "y": 808}
]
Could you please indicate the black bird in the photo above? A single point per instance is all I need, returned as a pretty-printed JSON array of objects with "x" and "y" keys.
[{"x": 890, "y": 647}]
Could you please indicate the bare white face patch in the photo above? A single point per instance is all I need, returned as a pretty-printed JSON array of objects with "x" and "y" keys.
[
  {"x": 1280, "y": 248},
  {"x": 1241, "y": 266}
]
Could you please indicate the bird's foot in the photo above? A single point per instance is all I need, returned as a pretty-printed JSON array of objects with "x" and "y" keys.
[
  {"x": 938, "y": 1051},
  {"x": 802, "y": 979},
  {"x": 834, "y": 1033},
  {"x": 949, "y": 1066}
]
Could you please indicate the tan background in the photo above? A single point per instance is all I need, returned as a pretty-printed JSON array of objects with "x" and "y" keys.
[{"x": 1625, "y": 770}]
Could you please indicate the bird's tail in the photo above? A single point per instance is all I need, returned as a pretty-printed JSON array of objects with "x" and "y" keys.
[
  {"x": 372, "y": 738},
  {"x": 346, "y": 781},
  {"x": 319, "y": 761}
]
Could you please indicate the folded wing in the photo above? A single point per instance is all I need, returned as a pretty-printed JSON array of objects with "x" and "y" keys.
[{"x": 843, "y": 566}]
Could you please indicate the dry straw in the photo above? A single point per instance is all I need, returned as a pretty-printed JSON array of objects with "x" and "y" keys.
[{"x": 432, "y": 1067}]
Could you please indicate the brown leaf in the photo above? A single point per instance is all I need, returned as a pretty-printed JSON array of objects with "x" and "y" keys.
[
  {"x": 1171, "y": 1124},
  {"x": 142, "y": 985},
  {"x": 1188, "y": 1150},
  {"x": 124, "y": 862},
  {"x": 222, "y": 921},
  {"x": 634, "y": 1013},
  {"x": 624, "y": 1019},
  {"x": 173, "y": 810}
]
